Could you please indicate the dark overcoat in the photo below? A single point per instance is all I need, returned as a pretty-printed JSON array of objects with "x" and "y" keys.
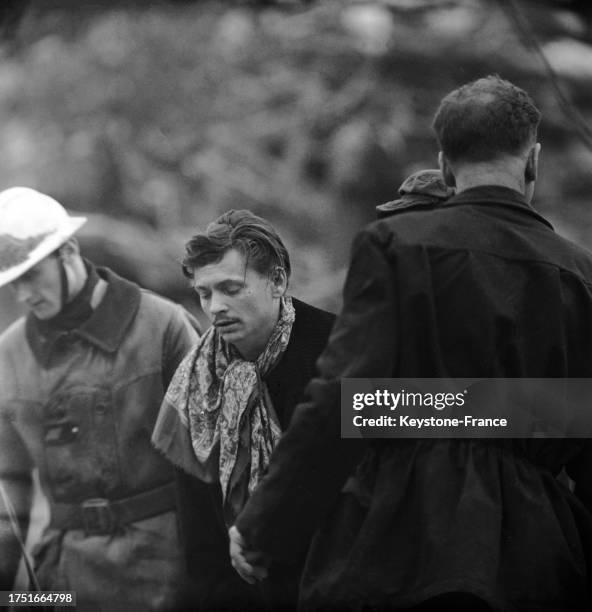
[{"x": 480, "y": 286}]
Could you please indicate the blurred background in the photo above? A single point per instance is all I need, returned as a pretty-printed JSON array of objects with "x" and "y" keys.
[{"x": 155, "y": 117}]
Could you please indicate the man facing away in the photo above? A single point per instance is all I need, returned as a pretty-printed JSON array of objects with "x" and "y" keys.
[
  {"x": 232, "y": 397},
  {"x": 82, "y": 377},
  {"x": 478, "y": 287}
]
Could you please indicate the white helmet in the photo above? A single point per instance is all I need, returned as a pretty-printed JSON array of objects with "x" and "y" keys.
[{"x": 32, "y": 225}]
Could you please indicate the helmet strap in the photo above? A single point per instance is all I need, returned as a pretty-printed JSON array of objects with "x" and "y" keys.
[{"x": 63, "y": 282}]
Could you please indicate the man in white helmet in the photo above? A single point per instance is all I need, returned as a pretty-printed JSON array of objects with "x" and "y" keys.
[{"x": 82, "y": 377}]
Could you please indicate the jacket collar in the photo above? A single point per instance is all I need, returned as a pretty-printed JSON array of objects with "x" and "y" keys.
[
  {"x": 495, "y": 195},
  {"x": 106, "y": 327}
]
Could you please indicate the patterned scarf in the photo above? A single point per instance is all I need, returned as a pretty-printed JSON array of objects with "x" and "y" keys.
[{"x": 217, "y": 421}]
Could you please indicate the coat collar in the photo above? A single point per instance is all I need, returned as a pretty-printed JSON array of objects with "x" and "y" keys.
[
  {"x": 106, "y": 327},
  {"x": 495, "y": 195}
]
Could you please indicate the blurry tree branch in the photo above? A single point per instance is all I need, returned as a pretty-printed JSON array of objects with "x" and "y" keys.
[{"x": 531, "y": 41}]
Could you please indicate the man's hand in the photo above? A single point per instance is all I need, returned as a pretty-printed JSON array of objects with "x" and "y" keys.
[{"x": 250, "y": 564}]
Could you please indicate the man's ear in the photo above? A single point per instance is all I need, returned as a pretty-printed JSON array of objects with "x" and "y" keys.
[
  {"x": 69, "y": 248},
  {"x": 446, "y": 170},
  {"x": 279, "y": 282},
  {"x": 532, "y": 163}
]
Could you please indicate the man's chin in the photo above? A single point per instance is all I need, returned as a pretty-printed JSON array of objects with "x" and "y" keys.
[
  {"x": 230, "y": 336},
  {"x": 43, "y": 314}
]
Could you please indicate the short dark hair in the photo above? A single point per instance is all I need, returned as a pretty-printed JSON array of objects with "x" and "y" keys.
[
  {"x": 244, "y": 231},
  {"x": 485, "y": 119}
]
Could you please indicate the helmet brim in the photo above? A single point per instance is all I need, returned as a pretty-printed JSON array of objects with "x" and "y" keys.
[{"x": 47, "y": 246}]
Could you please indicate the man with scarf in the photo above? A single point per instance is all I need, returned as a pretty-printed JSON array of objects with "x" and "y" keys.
[
  {"x": 233, "y": 395},
  {"x": 82, "y": 378}
]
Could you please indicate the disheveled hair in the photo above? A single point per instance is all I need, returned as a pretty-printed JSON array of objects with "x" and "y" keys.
[
  {"x": 485, "y": 119},
  {"x": 244, "y": 231}
]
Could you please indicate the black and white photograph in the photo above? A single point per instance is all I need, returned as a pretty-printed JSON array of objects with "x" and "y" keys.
[{"x": 296, "y": 305}]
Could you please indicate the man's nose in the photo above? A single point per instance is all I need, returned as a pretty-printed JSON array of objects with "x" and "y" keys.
[
  {"x": 217, "y": 304},
  {"x": 22, "y": 291}
]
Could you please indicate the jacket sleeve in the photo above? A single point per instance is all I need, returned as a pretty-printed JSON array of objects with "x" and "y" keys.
[
  {"x": 214, "y": 583},
  {"x": 579, "y": 469},
  {"x": 311, "y": 462},
  {"x": 181, "y": 335},
  {"x": 16, "y": 483}
]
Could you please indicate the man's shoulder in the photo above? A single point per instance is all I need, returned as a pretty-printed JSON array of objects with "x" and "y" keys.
[
  {"x": 574, "y": 258},
  {"x": 13, "y": 334},
  {"x": 12, "y": 340},
  {"x": 311, "y": 329},
  {"x": 414, "y": 219},
  {"x": 124, "y": 288},
  {"x": 513, "y": 233},
  {"x": 311, "y": 315},
  {"x": 309, "y": 336},
  {"x": 135, "y": 303},
  {"x": 154, "y": 301},
  {"x": 163, "y": 307}
]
